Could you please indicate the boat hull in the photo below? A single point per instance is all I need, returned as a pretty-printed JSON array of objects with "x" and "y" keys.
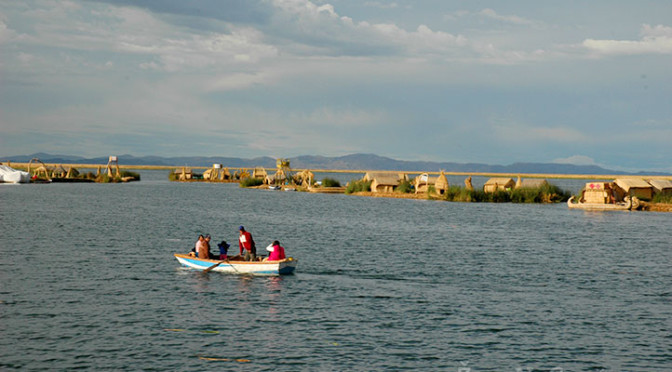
[
  {"x": 628, "y": 204},
  {"x": 283, "y": 267}
]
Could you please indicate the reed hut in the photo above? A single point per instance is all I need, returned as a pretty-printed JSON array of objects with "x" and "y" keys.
[
  {"x": 370, "y": 176},
  {"x": 501, "y": 184},
  {"x": 635, "y": 187},
  {"x": 531, "y": 183},
  {"x": 441, "y": 185},
  {"x": 278, "y": 178},
  {"x": 224, "y": 174},
  {"x": 304, "y": 178},
  {"x": 259, "y": 172},
  {"x": 58, "y": 172},
  {"x": 184, "y": 174},
  {"x": 385, "y": 183},
  {"x": 663, "y": 187}
]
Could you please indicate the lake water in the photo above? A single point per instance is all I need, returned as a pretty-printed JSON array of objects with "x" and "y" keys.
[{"x": 89, "y": 282}]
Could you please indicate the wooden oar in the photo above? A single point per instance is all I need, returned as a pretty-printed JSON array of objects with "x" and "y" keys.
[{"x": 213, "y": 266}]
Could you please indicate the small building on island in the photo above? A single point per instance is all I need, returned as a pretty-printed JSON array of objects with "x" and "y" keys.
[
  {"x": 663, "y": 187},
  {"x": 423, "y": 182},
  {"x": 635, "y": 187},
  {"x": 531, "y": 183},
  {"x": 499, "y": 184},
  {"x": 384, "y": 181},
  {"x": 259, "y": 172},
  {"x": 441, "y": 185}
]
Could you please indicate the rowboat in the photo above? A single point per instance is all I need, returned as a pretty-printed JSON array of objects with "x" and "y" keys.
[{"x": 236, "y": 266}]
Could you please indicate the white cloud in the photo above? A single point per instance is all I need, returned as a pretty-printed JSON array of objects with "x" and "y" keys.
[
  {"x": 654, "y": 40},
  {"x": 6, "y": 33},
  {"x": 517, "y": 132},
  {"x": 576, "y": 160},
  {"x": 381, "y": 5},
  {"x": 513, "y": 19},
  {"x": 323, "y": 31},
  {"x": 236, "y": 81}
]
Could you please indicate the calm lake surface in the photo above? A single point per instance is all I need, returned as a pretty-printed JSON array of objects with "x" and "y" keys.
[{"x": 89, "y": 282}]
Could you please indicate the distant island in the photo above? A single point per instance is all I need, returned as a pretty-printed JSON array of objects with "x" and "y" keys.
[{"x": 347, "y": 162}]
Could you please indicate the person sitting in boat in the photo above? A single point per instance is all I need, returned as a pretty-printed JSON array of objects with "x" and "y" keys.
[
  {"x": 194, "y": 251},
  {"x": 204, "y": 248},
  {"x": 223, "y": 250},
  {"x": 277, "y": 252},
  {"x": 246, "y": 242}
]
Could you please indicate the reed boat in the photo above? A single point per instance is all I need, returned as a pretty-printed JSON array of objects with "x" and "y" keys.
[
  {"x": 626, "y": 205},
  {"x": 235, "y": 265},
  {"x": 603, "y": 196}
]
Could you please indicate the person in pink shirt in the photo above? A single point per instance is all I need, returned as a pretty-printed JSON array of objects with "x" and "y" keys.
[{"x": 277, "y": 252}]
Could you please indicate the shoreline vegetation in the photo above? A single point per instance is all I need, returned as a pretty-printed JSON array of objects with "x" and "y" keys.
[
  {"x": 548, "y": 193},
  {"x": 363, "y": 171}
]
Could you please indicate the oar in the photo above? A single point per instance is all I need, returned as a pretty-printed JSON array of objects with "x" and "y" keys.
[{"x": 213, "y": 266}]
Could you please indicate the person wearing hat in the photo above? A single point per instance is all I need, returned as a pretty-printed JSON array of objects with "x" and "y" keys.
[
  {"x": 223, "y": 250},
  {"x": 246, "y": 242}
]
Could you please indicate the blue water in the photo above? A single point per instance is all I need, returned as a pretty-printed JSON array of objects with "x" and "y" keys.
[{"x": 89, "y": 282}]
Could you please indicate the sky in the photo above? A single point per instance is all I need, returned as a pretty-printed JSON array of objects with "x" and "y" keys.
[{"x": 495, "y": 82}]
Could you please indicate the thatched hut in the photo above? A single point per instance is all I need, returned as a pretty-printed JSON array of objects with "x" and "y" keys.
[
  {"x": 531, "y": 183},
  {"x": 184, "y": 174},
  {"x": 58, "y": 172},
  {"x": 441, "y": 185},
  {"x": 385, "y": 183},
  {"x": 370, "y": 176},
  {"x": 277, "y": 179},
  {"x": 304, "y": 178},
  {"x": 501, "y": 184},
  {"x": 635, "y": 187},
  {"x": 663, "y": 187},
  {"x": 259, "y": 172}
]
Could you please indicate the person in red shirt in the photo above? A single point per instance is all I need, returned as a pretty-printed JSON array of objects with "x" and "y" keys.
[
  {"x": 246, "y": 242},
  {"x": 277, "y": 252}
]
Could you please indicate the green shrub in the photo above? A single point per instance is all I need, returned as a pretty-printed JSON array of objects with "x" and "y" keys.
[
  {"x": 358, "y": 186},
  {"x": 330, "y": 182},
  {"x": 251, "y": 182},
  {"x": 526, "y": 196},
  {"x": 136, "y": 176},
  {"x": 104, "y": 178},
  {"x": 405, "y": 187},
  {"x": 661, "y": 198}
]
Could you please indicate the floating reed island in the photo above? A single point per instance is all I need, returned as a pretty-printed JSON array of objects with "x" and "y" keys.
[
  {"x": 46, "y": 173},
  {"x": 434, "y": 186},
  {"x": 424, "y": 186}
]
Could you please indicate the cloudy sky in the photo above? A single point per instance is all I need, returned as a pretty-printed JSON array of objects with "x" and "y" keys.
[{"x": 497, "y": 82}]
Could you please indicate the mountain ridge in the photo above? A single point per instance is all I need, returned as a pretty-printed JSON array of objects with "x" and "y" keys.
[{"x": 358, "y": 161}]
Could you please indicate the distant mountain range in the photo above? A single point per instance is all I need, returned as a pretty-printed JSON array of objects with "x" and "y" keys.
[{"x": 347, "y": 162}]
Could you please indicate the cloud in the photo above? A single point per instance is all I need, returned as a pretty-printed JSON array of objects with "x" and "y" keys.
[
  {"x": 654, "y": 40},
  {"x": 320, "y": 30},
  {"x": 576, "y": 160},
  {"x": 381, "y": 5},
  {"x": 517, "y": 132},
  {"x": 512, "y": 19}
]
